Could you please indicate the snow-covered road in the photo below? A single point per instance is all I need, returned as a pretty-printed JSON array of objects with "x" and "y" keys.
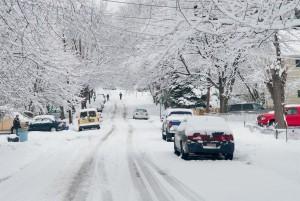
[{"x": 126, "y": 160}]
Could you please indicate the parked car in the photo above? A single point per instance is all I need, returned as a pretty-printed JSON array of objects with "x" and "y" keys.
[
  {"x": 204, "y": 135},
  {"x": 7, "y": 118},
  {"x": 88, "y": 118},
  {"x": 171, "y": 120},
  {"x": 292, "y": 116},
  {"x": 140, "y": 114},
  {"x": 46, "y": 123},
  {"x": 245, "y": 107}
]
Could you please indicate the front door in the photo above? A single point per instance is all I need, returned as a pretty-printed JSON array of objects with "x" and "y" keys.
[{"x": 292, "y": 116}]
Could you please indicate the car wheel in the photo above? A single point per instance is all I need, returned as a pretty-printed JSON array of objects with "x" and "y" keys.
[
  {"x": 53, "y": 129},
  {"x": 272, "y": 123},
  {"x": 98, "y": 127},
  {"x": 79, "y": 129},
  {"x": 163, "y": 136},
  {"x": 167, "y": 139},
  {"x": 184, "y": 155},
  {"x": 176, "y": 152},
  {"x": 228, "y": 156}
]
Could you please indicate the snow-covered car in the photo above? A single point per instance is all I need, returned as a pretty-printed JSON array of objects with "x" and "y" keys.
[
  {"x": 204, "y": 135},
  {"x": 88, "y": 118},
  {"x": 171, "y": 120},
  {"x": 140, "y": 114},
  {"x": 46, "y": 123}
]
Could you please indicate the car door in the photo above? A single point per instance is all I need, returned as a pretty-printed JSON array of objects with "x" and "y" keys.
[
  {"x": 35, "y": 124},
  {"x": 292, "y": 116},
  {"x": 47, "y": 124},
  {"x": 83, "y": 119}
]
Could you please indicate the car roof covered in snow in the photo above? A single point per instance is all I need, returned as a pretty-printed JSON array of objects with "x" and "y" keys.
[
  {"x": 52, "y": 117},
  {"x": 88, "y": 110},
  {"x": 168, "y": 111},
  {"x": 206, "y": 125},
  {"x": 292, "y": 105},
  {"x": 178, "y": 117}
]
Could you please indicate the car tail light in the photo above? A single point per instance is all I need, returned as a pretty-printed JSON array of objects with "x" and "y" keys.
[
  {"x": 169, "y": 124},
  {"x": 196, "y": 137},
  {"x": 223, "y": 138}
]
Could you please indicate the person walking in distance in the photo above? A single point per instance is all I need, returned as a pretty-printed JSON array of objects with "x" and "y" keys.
[
  {"x": 16, "y": 124},
  {"x": 120, "y": 95},
  {"x": 107, "y": 97}
]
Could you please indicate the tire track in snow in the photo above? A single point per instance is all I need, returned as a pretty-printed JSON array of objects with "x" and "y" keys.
[
  {"x": 78, "y": 190},
  {"x": 174, "y": 182},
  {"x": 149, "y": 169},
  {"x": 143, "y": 179}
]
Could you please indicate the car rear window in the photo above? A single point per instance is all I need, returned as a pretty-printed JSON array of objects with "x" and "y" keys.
[
  {"x": 92, "y": 113},
  {"x": 83, "y": 114},
  {"x": 180, "y": 112},
  {"x": 141, "y": 110}
]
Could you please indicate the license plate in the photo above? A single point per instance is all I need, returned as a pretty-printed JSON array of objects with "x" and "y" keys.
[{"x": 211, "y": 145}]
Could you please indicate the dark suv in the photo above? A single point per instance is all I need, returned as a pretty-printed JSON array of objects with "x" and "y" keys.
[{"x": 246, "y": 107}]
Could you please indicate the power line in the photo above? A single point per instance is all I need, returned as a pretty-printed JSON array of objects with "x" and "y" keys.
[{"x": 147, "y": 5}]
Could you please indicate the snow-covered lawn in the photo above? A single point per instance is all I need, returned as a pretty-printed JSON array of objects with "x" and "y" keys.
[{"x": 127, "y": 160}]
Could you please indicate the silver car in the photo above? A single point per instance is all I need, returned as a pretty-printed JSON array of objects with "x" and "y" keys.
[{"x": 140, "y": 114}]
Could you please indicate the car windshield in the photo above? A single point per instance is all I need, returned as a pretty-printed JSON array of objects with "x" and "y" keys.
[
  {"x": 83, "y": 114},
  {"x": 92, "y": 113}
]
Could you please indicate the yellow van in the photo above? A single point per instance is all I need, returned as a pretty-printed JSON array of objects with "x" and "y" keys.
[
  {"x": 88, "y": 118},
  {"x": 6, "y": 121}
]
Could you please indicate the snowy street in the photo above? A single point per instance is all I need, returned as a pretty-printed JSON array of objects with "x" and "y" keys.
[{"x": 127, "y": 160}]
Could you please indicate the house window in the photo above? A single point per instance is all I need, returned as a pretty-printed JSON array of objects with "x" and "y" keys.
[
  {"x": 298, "y": 93},
  {"x": 298, "y": 63}
]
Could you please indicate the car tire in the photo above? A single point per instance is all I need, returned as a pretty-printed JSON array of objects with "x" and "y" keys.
[
  {"x": 176, "y": 152},
  {"x": 98, "y": 127},
  {"x": 79, "y": 129},
  {"x": 53, "y": 129},
  {"x": 184, "y": 156},
  {"x": 163, "y": 136},
  {"x": 271, "y": 123},
  {"x": 166, "y": 136},
  {"x": 228, "y": 156}
]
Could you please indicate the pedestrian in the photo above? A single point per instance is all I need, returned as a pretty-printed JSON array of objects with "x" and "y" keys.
[
  {"x": 107, "y": 97},
  {"x": 16, "y": 125},
  {"x": 120, "y": 95}
]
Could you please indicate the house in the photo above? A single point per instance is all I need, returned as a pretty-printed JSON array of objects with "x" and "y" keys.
[{"x": 292, "y": 95}]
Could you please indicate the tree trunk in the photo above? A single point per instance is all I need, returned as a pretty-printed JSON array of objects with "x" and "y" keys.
[
  {"x": 62, "y": 113},
  {"x": 208, "y": 100},
  {"x": 276, "y": 86},
  {"x": 223, "y": 100},
  {"x": 276, "y": 89}
]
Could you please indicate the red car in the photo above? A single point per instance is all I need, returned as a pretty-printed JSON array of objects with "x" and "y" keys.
[{"x": 292, "y": 116}]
